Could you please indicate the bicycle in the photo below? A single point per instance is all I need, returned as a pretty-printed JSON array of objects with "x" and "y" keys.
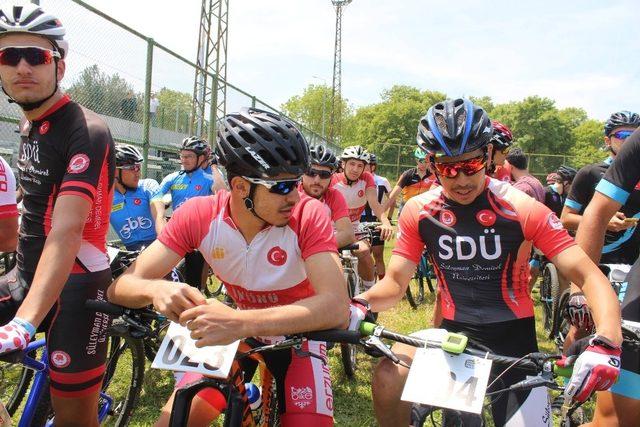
[
  {"x": 423, "y": 274},
  {"x": 125, "y": 356}
]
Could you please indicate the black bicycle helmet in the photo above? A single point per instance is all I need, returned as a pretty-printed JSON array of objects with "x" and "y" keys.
[
  {"x": 566, "y": 173},
  {"x": 323, "y": 156},
  {"x": 454, "y": 127},
  {"x": 198, "y": 145},
  {"x": 373, "y": 159},
  {"x": 260, "y": 144},
  {"x": 127, "y": 155},
  {"x": 621, "y": 118}
]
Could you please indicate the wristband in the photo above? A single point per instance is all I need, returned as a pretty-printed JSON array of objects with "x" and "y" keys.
[
  {"x": 604, "y": 342},
  {"x": 26, "y": 325}
]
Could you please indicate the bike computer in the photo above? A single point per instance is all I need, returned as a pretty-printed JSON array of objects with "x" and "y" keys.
[{"x": 454, "y": 343}]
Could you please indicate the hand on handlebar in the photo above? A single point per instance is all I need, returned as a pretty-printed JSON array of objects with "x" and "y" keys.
[
  {"x": 386, "y": 231},
  {"x": 596, "y": 369},
  {"x": 15, "y": 335}
]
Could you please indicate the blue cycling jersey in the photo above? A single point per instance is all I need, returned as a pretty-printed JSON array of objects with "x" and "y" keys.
[
  {"x": 184, "y": 186},
  {"x": 131, "y": 214}
]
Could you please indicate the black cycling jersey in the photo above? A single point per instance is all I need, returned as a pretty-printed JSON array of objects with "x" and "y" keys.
[
  {"x": 553, "y": 200},
  {"x": 67, "y": 151},
  {"x": 619, "y": 247}
]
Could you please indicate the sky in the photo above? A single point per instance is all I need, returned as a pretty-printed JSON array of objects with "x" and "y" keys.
[{"x": 581, "y": 53}]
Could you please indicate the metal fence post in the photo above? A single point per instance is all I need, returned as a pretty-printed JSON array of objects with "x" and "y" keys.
[
  {"x": 146, "y": 117},
  {"x": 253, "y": 102}
]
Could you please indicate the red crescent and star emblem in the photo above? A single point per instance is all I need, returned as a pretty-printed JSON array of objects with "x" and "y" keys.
[
  {"x": 486, "y": 217},
  {"x": 44, "y": 127},
  {"x": 137, "y": 202},
  {"x": 360, "y": 193},
  {"x": 60, "y": 359},
  {"x": 198, "y": 187},
  {"x": 277, "y": 256},
  {"x": 78, "y": 163},
  {"x": 447, "y": 218}
]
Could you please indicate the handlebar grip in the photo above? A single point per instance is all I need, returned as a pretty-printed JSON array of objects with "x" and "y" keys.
[
  {"x": 335, "y": 335},
  {"x": 104, "y": 307},
  {"x": 367, "y": 328}
]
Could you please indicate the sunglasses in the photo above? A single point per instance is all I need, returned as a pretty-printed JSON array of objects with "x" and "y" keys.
[
  {"x": 322, "y": 174},
  {"x": 282, "y": 187},
  {"x": 622, "y": 134},
  {"x": 34, "y": 55},
  {"x": 135, "y": 168},
  {"x": 468, "y": 167}
]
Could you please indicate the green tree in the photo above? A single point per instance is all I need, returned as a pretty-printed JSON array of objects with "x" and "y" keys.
[
  {"x": 388, "y": 128},
  {"x": 588, "y": 144},
  {"x": 99, "y": 91},
  {"x": 174, "y": 110},
  {"x": 485, "y": 102},
  {"x": 313, "y": 109}
]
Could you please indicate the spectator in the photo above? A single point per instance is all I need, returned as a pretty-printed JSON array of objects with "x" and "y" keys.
[
  {"x": 153, "y": 109},
  {"x": 523, "y": 180},
  {"x": 128, "y": 107}
]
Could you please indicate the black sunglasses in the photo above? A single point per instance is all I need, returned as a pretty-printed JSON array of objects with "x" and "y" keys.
[
  {"x": 281, "y": 187},
  {"x": 34, "y": 55},
  {"x": 322, "y": 174}
]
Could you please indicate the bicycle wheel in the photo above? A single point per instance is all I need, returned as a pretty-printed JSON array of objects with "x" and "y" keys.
[
  {"x": 152, "y": 342},
  {"x": 14, "y": 383},
  {"x": 410, "y": 299},
  {"x": 554, "y": 288},
  {"x": 561, "y": 322},
  {"x": 348, "y": 352},
  {"x": 549, "y": 276},
  {"x": 123, "y": 378}
]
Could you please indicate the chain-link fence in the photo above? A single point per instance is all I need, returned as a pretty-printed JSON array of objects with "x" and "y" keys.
[{"x": 141, "y": 89}]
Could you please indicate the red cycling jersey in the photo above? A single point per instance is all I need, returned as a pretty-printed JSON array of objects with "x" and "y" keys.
[
  {"x": 503, "y": 173},
  {"x": 269, "y": 271},
  {"x": 355, "y": 194},
  {"x": 481, "y": 251},
  {"x": 8, "y": 205},
  {"x": 334, "y": 203}
]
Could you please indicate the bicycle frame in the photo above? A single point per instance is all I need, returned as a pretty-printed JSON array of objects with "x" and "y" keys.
[{"x": 40, "y": 382}]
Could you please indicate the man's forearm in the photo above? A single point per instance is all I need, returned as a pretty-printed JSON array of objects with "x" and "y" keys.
[
  {"x": 59, "y": 254},
  {"x": 310, "y": 314},
  {"x": 590, "y": 235},
  {"x": 344, "y": 238},
  {"x": 570, "y": 220},
  {"x": 133, "y": 291},
  {"x": 384, "y": 295}
]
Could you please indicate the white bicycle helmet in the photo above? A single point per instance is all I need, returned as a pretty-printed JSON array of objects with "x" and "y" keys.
[
  {"x": 31, "y": 19},
  {"x": 355, "y": 152}
]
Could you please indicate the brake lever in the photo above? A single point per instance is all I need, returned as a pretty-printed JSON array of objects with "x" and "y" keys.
[{"x": 377, "y": 343}]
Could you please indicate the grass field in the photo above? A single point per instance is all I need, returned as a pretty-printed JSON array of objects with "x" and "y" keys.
[{"x": 352, "y": 398}]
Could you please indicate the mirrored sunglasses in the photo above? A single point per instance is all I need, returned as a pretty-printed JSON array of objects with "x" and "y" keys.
[
  {"x": 34, "y": 55},
  {"x": 468, "y": 167},
  {"x": 281, "y": 187}
]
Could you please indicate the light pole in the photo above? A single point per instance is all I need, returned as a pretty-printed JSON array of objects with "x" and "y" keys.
[{"x": 324, "y": 103}]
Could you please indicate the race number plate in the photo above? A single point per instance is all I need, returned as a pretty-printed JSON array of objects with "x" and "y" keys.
[
  {"x": 178, "y": 352},
  {"x": 446, "y": 380}
]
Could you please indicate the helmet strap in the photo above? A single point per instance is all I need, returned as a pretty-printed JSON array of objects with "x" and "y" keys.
[{"x": 248, "y": 202}]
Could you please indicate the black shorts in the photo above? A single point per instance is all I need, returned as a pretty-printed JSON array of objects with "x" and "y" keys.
[
  {"x": 76, "y": 337},
  {"x": 513, "y": 338},
  {"x": 375, "y": 240}
]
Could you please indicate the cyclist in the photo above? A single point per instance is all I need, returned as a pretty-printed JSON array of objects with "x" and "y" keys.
[
  {"x": 272, "y": 248},
  {"x": 502, "y": 141},
  {"x": 133, "y": 217},
  {"x": 617, "y": 189},
  {"x": 66, "y": 169},
  {"x": 522, "y": 179},
  {"x": 473, "y": 220},
  {"x": 189, "y": 182},
  {"x": 555, "y": 194},
  {"x": 383, "y": 187},
  {"x": 8, "y": 208},
  {"x": 412, "y": 182},
  {"x": 316, "y": 183},
  {"x": 358, "y": 188}
]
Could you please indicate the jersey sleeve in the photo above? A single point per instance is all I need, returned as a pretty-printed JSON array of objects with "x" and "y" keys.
[
  {"x": 624, "y": 173},
  {"x": 581, "y": 190},
  {"x": 369, "y": 181},
  {"x": 8, "y": 205},
  {"x": 164, "y": 187},
  {"x": 151, "y": 187},
  {"x": 409, "y": 244},
  {"x": 403, "y": 181},
  {"x": 315, "y": 231},
  {"x": 542, "y": 227},
  {"x": 89, "y": 156},
  {"x": 339, "y": 208},
  {"x": 187, "y": 227}
]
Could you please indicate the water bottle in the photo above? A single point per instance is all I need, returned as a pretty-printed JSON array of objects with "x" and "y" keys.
[{"x": 255, "y": 400}]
